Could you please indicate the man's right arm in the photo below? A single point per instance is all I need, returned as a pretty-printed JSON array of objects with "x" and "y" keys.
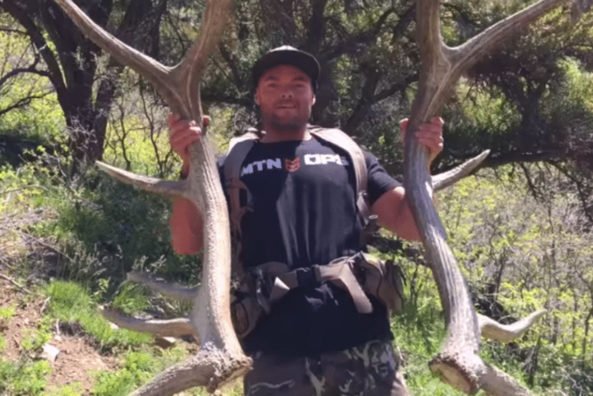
[
  {"x": 186, "y": 223},
  {"x": 186, "y": 227}
]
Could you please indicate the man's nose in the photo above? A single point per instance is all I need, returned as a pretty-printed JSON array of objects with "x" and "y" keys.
[{"x": 287, "y": 94}]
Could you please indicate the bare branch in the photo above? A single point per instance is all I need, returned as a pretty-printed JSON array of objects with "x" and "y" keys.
[
  {"x": 21, "y": 70},
  {"x": 160, "y": 286},
  {"x": 40, "y": 43},
  {"x": 22, "y": 102},
  {"x": 15, "y": 283}
]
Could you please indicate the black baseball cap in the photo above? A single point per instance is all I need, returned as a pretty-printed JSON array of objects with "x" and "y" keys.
[{"x": 287, "y": 55}]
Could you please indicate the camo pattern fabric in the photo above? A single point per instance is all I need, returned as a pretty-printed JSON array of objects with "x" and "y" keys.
[{"x": 371, "y": 369}]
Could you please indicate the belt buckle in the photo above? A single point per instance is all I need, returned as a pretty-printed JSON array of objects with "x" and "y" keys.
[{"x": 259, "y": 291}]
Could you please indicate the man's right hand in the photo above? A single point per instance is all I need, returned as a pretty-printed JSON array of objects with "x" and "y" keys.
[
  {"x": 183, "y": 133},
  {"x": 186, "y": 221}
]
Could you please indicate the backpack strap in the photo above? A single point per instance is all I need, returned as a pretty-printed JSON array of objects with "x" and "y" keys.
[
  {"x": 340, "y": 139},
  {"x": 239, "y": 147}
]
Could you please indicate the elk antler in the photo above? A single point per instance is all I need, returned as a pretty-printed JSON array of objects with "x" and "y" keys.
[
  {"x": 458, "y": 362},
  {"x": 452, "y": 176},
  {"x": 220, "y": 357}
]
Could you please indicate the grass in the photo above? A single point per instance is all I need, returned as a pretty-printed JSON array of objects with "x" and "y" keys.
[
  {"x": 68, "y": 390},
  {"x": 137, "y": 368},
  {"x": 34, "y": 339},
  {"x": 71, "y": 303},
  {"x": 24, "y": 378},
  {"x": 6, "y": 313}
]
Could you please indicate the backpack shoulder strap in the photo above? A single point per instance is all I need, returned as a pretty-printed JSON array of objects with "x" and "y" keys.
[
  {"x": 340, "y": 139},
  {"x": 238, "y": 149}
]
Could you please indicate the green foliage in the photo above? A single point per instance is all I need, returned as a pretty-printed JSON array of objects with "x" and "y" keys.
[
  {"x": 523, "y": 253},
  {"x": 131, "y": 299},
  {"x": 71, "y": 303},
  {"x": 518, "y": 252},
  {"x": 42, "y": 117},
  {"x": 101, "y": 228},
  {"x": 24, "y": 188},
  {"x": 75, "y": 389},
  {"x": 138, "y": 367},
  {"x": 23, "y": 378},
  {"x": 33, "y": 340},
  {"x": 115, "y": 224},
  {"x": 6, "y": 313}
]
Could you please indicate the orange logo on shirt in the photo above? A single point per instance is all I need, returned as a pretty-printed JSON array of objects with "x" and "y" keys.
[{"x": 292, "y": 165}]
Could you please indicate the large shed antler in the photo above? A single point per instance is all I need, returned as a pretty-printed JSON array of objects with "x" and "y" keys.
[
  {"x": 220, "y": 357},
  {"x": 458, "y": 363}
]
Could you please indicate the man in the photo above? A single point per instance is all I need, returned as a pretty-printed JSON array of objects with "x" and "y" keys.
[{"x": 314, "y": 340}]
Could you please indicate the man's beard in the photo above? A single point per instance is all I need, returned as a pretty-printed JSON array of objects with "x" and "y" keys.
[{"x": 292, "y": 124}]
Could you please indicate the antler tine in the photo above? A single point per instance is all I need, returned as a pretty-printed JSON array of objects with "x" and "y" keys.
[
  {"x": 446, "y": 179},
  {"x": 434, "y": 55},
  {"x": 190, "y": 70},
  {"x": 150, "y": 184},
  {"x": 469, "y": 52},
  {"x": 180, "y": 327},
  {"x": 161, "y": 286},
  {"x": 506, "y": 333},
  {"x": 496, "y": 382},
  {"x": 155, "y": 72}
]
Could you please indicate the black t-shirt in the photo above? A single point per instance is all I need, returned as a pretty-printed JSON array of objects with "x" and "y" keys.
[{"x": 302, "y": 211}]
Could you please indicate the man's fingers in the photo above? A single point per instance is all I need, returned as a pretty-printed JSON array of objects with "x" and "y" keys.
[
  {"x": 177, "y": 123},
  {"x": 181, "y": 127},
  {"x": 433, "y": 139},
  {"x": 183, "y": 138},
  {"x": 403, "y": 125},
  {"x": 437, "y": 121}
]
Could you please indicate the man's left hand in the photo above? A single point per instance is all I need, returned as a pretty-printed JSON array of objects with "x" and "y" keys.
[{"x": 429, "y": 134}]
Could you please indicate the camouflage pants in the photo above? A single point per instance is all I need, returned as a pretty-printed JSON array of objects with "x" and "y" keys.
[{"x": 371, "y": 369}]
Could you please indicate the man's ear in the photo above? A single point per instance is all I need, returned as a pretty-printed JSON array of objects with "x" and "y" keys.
[
  {"x": 256, "y": 97},
  {"x": 313, "y": 101}
]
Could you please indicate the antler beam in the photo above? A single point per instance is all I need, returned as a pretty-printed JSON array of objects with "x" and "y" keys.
[
  {"x": 458, "y": 363},
  {"x": 220, "y": 357}
]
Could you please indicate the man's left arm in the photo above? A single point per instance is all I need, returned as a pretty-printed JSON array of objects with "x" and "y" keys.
[{"x": 392, "y": 207}]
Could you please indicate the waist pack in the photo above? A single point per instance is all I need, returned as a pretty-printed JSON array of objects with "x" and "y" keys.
[{"x": 360, "y": 275}]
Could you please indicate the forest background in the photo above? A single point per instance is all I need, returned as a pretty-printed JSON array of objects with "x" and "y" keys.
[{"x": 520, "y": 227}]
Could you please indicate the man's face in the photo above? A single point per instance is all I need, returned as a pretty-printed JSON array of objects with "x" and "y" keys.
[{"x": 285, "y": 97}]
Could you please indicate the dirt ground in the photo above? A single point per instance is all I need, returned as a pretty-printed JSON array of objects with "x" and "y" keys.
[{"x": 77, "y": 360}]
